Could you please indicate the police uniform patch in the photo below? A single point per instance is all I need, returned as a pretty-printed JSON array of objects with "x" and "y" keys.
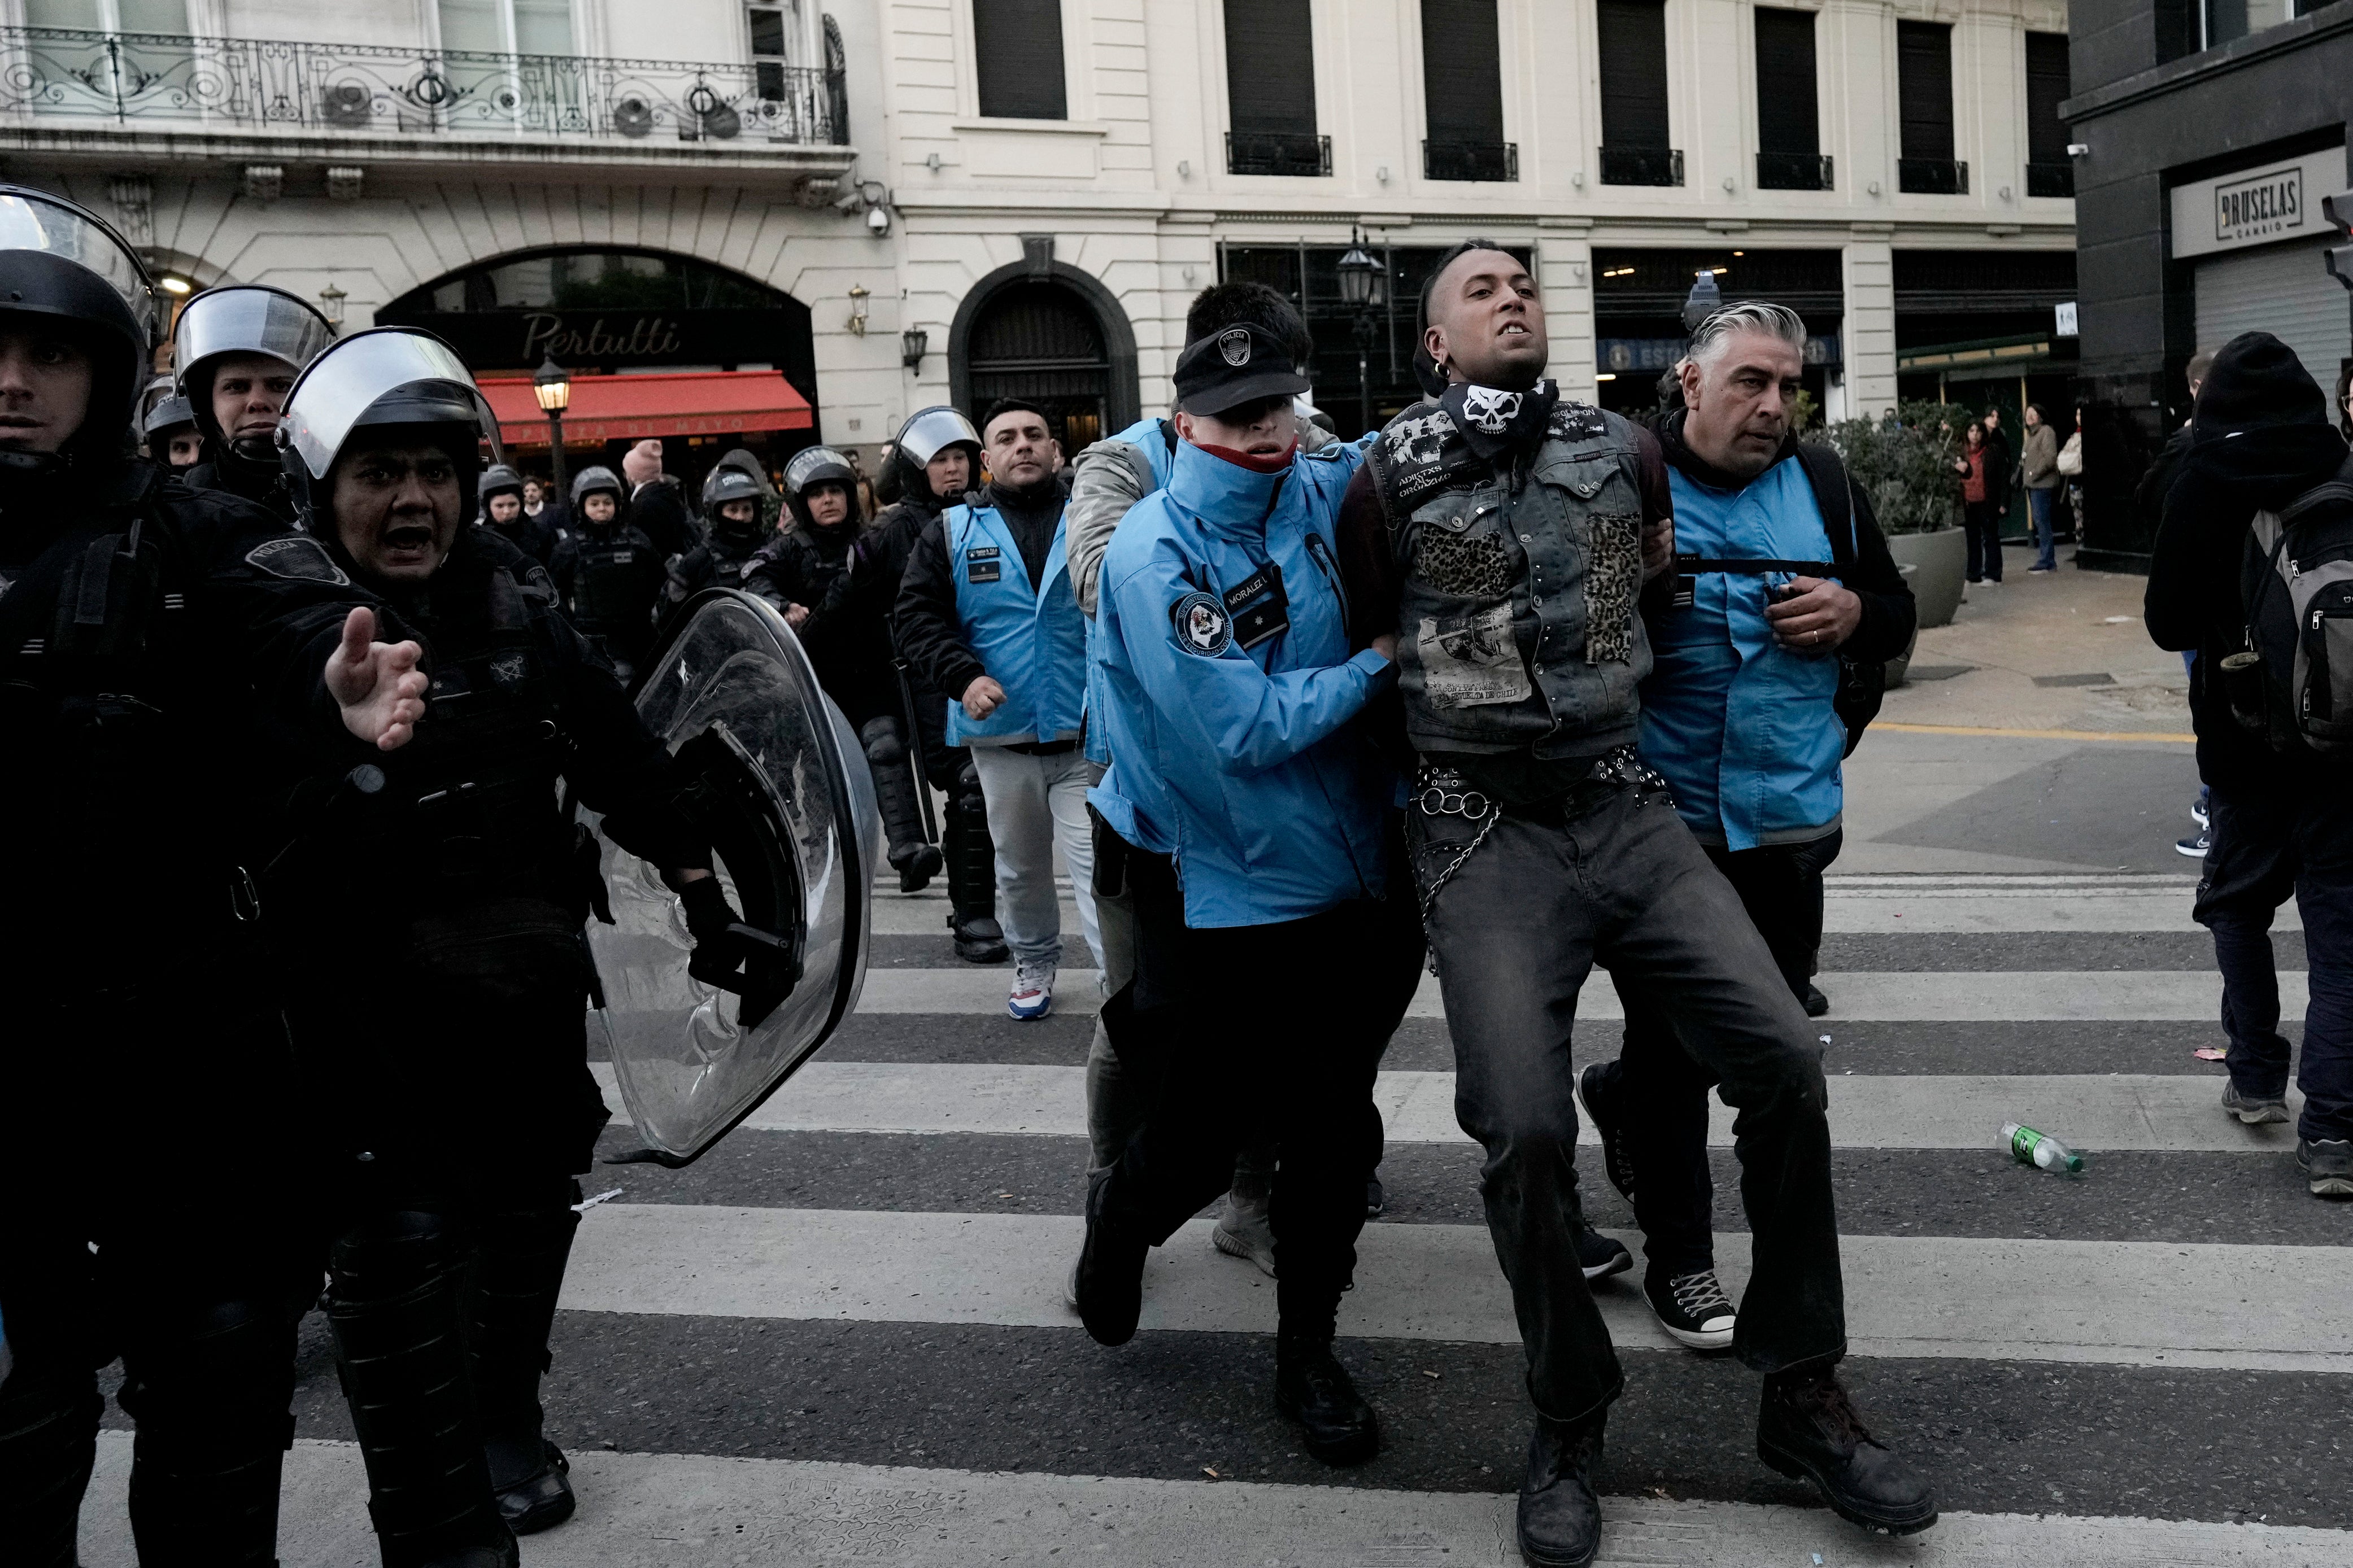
[
  {"x": 1202, "y": 625},
  {"x": 1234, "y": 346},
  {"x": 298, "y": 557}
]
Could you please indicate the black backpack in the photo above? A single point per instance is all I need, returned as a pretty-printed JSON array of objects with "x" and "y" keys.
[{"x": 2293, "y": 683}]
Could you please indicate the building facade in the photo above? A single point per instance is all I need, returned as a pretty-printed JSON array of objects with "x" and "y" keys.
[
  {"x": 2209, "y": 131},
  {"x": 899, "y": 202}
]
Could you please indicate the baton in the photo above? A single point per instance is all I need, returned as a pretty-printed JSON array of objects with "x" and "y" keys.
[{"x": 914, "y": 749}]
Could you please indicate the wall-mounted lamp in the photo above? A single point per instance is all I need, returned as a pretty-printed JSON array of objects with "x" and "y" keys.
[
  {"x": 173, "y": 285},
  {"x": 331, "y": 303},
  {"x": 932, "y": 162},
  {"x": 859, "y": 294},
  {"x": 2079, "y": 149},
  {"x": 913, "y": 343}
]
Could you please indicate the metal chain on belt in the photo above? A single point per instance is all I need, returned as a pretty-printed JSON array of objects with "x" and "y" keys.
[{"x": 1442, "y": 792}]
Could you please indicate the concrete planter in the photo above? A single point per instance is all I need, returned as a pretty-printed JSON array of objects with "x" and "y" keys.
[
  {"x": 1901, "y": 665},
  {"x": 1942, "y": 559}
]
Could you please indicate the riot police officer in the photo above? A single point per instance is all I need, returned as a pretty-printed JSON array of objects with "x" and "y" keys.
[
  {"x": 173, "y": 439},
  {"x": 609, "y": 573},
  {"x": 503, "y": 510},
  {"x": 808, "y": 573},
  {"x": 732, "y": 509},
  {"x": 147, "y": 632},
  {"x": 457, "y": 1105},
  {"x": 236, "y": 350},
  {"x": 934, "y": 460}
]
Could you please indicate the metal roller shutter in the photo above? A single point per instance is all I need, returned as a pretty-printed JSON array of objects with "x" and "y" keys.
[{"x": 2279, "y": 289}]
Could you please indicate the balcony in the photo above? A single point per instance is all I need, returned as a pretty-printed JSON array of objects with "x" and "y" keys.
[
  {"x": 2051, "y": 179},
  {"x": 1932, "y": 176},
  {"x": 1642, "y": 165},
  {"x": 1491, "y": 161},
  {"x": 1794, "y": 172},
  {"x": 1306, "y": 156},
  {"x": 178, "y": 84}
]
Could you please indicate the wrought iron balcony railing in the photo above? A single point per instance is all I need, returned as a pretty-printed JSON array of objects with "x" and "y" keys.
[
  {"x": 1642, "y": 165},
  {"x": 1794, "y": 172},
  {"x": 265, "y": 84},
  {"x": 1300, "y": 153},
  {"x": 1932, "y": 176},
  {"x": 2051, "y": 179},
  {"x": 1497, "y": 161}
]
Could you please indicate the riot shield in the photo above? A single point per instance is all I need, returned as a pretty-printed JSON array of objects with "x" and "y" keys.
[{"x": 701, "y": 1038}]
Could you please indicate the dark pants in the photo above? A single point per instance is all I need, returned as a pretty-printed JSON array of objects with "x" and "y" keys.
[
  {"x": 1982, "y": 519},
  {"x": 2269, "y": 842},
  {"x": 1264, "y": 1034},
  {"x": 1615, "y": 877},
  {"x": 1662, "y": 1090}
]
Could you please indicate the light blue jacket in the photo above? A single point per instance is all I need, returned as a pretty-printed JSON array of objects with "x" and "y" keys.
[
  {"x": 1151, "y": 444},
  {"x": 1241, "y": 764},
  {"x": 1030, "y": 638},
  {"x": 1744, "y": 731}
]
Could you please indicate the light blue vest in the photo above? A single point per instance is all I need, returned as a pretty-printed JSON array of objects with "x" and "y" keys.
[{"x": 1032, "y": 640}]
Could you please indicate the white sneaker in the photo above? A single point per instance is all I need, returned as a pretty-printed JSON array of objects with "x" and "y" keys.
[{"x": 1032, "y": 996}]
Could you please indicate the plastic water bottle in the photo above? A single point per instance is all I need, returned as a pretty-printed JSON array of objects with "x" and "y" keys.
[{"x": 2029, "y": 1147}]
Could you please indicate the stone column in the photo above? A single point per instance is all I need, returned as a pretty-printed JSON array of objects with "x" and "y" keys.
[{"x": 1867, "y": 333}]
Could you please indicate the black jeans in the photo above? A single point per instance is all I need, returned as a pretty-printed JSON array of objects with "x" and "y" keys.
[
  {"x": 2269, "y": 842},
  {"x": 1982, "y": 519},
  {"x": 1663, "y": 1091},
  {"x": 1611, "y": 874},
  {"x": 1264, "y": 1034}
]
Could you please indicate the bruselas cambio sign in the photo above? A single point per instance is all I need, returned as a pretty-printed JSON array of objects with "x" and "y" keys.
[{"x": 2261, "y": 204}]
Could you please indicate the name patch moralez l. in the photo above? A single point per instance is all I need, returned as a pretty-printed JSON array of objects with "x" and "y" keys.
[
  {"x": 1259, "y": 607},
  {"x": 299, "y": 558},
  {"x": 1202, "y": 625}
]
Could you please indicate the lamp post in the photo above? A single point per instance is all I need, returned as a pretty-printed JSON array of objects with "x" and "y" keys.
[
  {"x": 553, "y": 387},
  {"x": 913, "y": 343},
  {"x": 1360, "y": 290}
]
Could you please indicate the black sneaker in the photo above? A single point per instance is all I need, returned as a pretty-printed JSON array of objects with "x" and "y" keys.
[
  {"x": 1312, "y": 1388},
  {"x": 1560, "y": 1517},
  {"x": 1376, "y": 1201},
  {"x": 1597, "y": 1089},
  {"x": 2328, "y": 1162},
  {"x": 978, "y": 938},
  {"x": 1693, "y": 1309},
  {"x": 1808, "y": 1430},
  {"x": 1109, "y": 1284},
  {"x": 2254, "y": 1109},
  {"x": 2195, "y": 845},
  {"x": 1816, "y": 1003},
  {"x": 1601, "y": 1255},
  {"x": 2198, "y": 813}
]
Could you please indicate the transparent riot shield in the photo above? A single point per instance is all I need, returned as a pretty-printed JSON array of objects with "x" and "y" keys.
[{"x": 699, "y": 1038}]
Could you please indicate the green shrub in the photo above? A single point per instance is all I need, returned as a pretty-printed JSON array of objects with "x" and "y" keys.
[{"x": 1905, "y": 467}]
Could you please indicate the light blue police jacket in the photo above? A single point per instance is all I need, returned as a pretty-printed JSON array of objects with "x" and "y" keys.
[
  {"x": 1147, "y": 437},
  {"x": 1240, "y": 764},
  {"x": 1030, "y": 638},
  {"x": 1743, "y": 730}
]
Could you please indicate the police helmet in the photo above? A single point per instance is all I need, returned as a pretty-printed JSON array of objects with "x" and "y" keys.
[
  {"x": 378, "y": 380},
  {"x": 498, "y": 479},
  {"x": 728, "y": 483},
  {"x": 64, "y": 269},
  {"x": 240, "y": 319},
  {"x": 926, "y": 434},
  {"x": 169, "y": 414},
  {"x": 818, "y": 465}
]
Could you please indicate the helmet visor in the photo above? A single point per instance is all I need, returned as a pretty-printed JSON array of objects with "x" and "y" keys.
[
  {"x": 29, "y": 221},
  {"x": 386, "y": 375},
  {"x": 930, "y": 429},
  {"x": 817, "y": 465},
  {"x": 248, "y": 320}
]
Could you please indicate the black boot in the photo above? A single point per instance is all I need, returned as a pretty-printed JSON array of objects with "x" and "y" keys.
[
  {"x": 912, "y": 856},
  {"x": 48, "y": 1438},
  {"x": 1314, "y": 1389},
  {"x": 397, "y": 1304},
  {"x": 1560, "y": 1517},
  {"x": 972, "y": 875},
  {"x": 1809, "y": 1430},
  {"x": 511, "y": 1308},
  {"x": 1108, "y": 1285}
]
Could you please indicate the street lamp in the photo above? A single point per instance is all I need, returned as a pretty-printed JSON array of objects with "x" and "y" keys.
[
  {"x": 331, "y": 304},
  {"x": 913, "y": 343},
  {"x": 1360, "y": 290},
  {"x": 553, "y": 387}
]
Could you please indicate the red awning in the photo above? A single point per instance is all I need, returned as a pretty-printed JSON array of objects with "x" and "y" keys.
[{"x": 627, "y": 407}]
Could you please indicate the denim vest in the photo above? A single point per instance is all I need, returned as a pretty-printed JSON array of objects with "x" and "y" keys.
[
  {"x": 1518, "y": 628},
  {"x": 1031, "y": 639}
]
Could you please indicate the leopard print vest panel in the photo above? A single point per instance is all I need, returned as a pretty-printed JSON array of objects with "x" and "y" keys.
[{"x": 1518, "y": 628}]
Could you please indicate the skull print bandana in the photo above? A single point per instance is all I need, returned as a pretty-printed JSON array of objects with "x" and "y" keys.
[{"x": 1494, "y": 421}]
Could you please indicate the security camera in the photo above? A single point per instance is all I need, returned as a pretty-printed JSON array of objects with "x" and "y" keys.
[{"x": 878, "y": 221}]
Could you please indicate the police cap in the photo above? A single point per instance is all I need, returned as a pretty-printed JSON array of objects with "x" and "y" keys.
[{"x": 1241, "y": 363}]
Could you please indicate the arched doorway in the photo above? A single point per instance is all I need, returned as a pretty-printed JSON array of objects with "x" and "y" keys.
[{"x": 1052, "y": 336}]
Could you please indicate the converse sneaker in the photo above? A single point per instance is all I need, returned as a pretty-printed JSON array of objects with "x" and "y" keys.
[
  {"x": 1601, "y": 1255},
  {"x": 2254, "y": 1109},
  {"x": 1033, "y": 991},
  {"x": 1693, "y": 1309},
  {"x": 1597, "y": 1091},
  {"x": 2328, "y": 1163}
]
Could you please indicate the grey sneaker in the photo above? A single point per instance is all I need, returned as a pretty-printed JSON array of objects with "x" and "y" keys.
[
  {"x": 2328, "y": 1163},
  {"x": 2256, "y": 1111},
  {"x": 1242, "y": 1232}
]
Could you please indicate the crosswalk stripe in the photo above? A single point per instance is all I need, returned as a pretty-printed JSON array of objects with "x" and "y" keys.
[
  {"x": 2134, "y": 996},
  {"x": 656, "y": 1511},
  {"x": 2102, "y": 1112},
  {"x": 2242, "y": 1308}
]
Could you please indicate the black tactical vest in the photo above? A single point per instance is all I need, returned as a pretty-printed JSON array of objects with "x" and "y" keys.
[{"x": 613, "y": 585}]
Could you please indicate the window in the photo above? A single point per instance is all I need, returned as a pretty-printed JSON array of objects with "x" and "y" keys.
[
  {"x": 1463, "y": 94},
  {"x": 1634, "y": 131},
  {"x": 2049, "y": 173},
  {"x": 507, "y": 27},
  {"x": 778, "y": 31},
  {"x": 169, "y": 18},
  {"x": 1924, "y": 78},
  {"x": 1789, "y": 122},
  {"x": 1271, "y": 90},
  {"x": 1017, "y": 54}
]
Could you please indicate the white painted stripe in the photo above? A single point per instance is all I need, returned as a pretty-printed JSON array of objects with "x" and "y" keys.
[
  {"x": 2100, "y": 1113},
  {"x": 2116, "y": 995},
  {"x": 2137, "y": 1304},
  {"x": 656, "y": 1511}
]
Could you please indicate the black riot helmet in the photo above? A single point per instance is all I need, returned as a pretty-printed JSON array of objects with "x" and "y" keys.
[
  {"x": 63, "y": 270},
  {"x": 240, "y": 319},
  {"x": 814, "y": 466},
  {"x": 393, "y": 384},
  {"x": 587, "y": 482},
  {"x": 927, "y": 433},
  {"x": 498, "y": 479},
  {"x": 169, "y": 414},
  {"x": 730, "y": 483}
]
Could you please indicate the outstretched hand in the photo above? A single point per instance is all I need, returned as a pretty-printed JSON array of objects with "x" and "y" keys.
[{"x": 378, "y": 685}]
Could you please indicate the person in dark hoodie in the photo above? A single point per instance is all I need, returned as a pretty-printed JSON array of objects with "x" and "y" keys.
[
  {"x": 236, "y": 350},
  {"x": 807, "y": 574},
  {"x": 2262, "y": 446}
]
